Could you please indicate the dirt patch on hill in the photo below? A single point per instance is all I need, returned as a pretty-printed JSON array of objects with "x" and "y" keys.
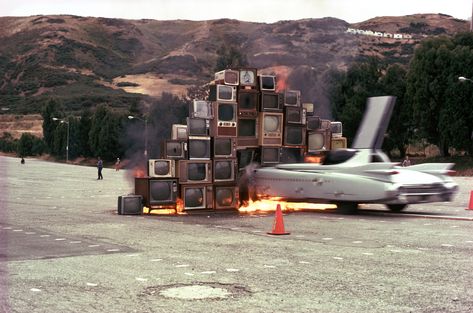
[
  {"x": 152, "y": 84},
  {"x": 19, "y": 124}
]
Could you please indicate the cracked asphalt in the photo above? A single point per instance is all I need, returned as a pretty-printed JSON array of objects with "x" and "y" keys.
[{"x": 63, "y": 248}]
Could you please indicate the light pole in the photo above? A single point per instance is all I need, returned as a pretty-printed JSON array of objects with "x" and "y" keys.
[
  {"x": 145, "y": 120},
  {"x": 462, "y": 79},
  {"x": 67, "y": 140}
]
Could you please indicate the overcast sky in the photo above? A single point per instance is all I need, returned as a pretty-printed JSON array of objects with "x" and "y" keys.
[{"x": 267, "y": 11}]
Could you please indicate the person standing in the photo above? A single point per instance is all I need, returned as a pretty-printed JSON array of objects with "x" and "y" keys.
[
  {"x": 99, "y": 168},
  {"x": 406, "y": 161},
  {"x": 117, "y": 165}
]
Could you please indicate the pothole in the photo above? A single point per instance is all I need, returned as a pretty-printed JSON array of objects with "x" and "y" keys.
[{"x": 197, "y": 291}]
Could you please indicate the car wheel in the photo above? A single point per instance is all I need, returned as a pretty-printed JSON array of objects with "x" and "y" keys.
[
  {"x": 347, "y": 207},
  {"x": 396, "y": 207}
]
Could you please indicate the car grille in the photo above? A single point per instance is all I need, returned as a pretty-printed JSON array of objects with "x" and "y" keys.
[{"x": 422, "y": 189}]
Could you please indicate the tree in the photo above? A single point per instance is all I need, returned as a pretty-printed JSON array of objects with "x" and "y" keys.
[
  {"x": 8, "y": 143},
  {"x": 394, "y": 83},
  {"x": 52, "y": 109},
  {"x": 440, "y": 105},
  {"x": 166, "y": 111},
  {"x": 84, "y": 126},
  {"x": 350, "y": 90},
  {"x": 95, "y": 127},
  {"x": 370, "y": 78},
  {"x": 105, "y": 132},
  {"x": 30, "y": 145},
  {"x": 229, "y": 57}
]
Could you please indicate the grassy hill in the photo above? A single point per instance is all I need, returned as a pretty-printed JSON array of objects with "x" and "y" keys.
[{"x": 84, "y": 61}]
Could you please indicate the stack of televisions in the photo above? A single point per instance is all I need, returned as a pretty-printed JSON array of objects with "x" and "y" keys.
[{"x": 244, "y": 120}]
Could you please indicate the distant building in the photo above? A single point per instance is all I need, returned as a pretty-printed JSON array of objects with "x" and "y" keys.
[{"x": 377, "y": 33}]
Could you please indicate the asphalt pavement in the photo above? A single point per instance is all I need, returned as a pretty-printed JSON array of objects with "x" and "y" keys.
[{"x": 63, "y": 248}]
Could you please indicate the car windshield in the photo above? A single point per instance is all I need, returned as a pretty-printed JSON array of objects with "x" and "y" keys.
[{"x": 338, "y": 156}]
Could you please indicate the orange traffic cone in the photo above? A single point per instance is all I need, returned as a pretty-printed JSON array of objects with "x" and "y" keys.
[
  {"x": 278, "y": 225},
  {"x": 470, "y": 206}
]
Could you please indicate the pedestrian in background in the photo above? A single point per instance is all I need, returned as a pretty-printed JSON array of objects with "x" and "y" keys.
[
  {"x": 117, "y": 165},
  {"x": 99, "y": 168},
  {"x": 406, "y": 161}
]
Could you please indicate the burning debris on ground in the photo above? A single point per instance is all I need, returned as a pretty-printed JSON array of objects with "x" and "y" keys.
[{"x": 247, "y": 120}]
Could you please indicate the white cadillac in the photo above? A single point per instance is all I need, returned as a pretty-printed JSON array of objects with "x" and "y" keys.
[{"x": 362, "y": 174}]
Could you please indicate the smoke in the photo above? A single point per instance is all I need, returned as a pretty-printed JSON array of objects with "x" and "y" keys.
[{"x": 151, "y": 127}]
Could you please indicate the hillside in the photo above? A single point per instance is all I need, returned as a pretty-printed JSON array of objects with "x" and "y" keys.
[{"x": 85, "y": 61}]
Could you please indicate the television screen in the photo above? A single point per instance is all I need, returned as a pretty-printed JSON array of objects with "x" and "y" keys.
[
  {"x": 316, "y": 141},
  {"x": 228, "y": 77},
  {"x": 313, "y": 123},
  {"x": 309, "y": 107},
  {"x": 196, "y": 171},
  {"x": 162, "y": 191},
  {"x": 294, "y": 135},
  {"x": 179, "y": 132},
  {"x": 197, "y": 126},
  {"x": 224, "y": 170},
  {"x": 248, "y": 77},
  {"x": 174, "y": 149},
  {"x": 325, "y": 124},
  {"x": 269, "y": 155},
  {"x": 226, "y": 112},
  {"x": 247, "y": 127},
  {"x": 226, "y": 197},
  {"x": 293, "y": 115},
  {"x": 271, "y": 123},
  {"x": 199, "y": 148},
  {"x": 292, "y": 155},
  {"x": 201, "y": 108},
  {"x": 336, "y": 128},
  {"x": 270, "y": 129},
  {"x": 267, "y": 82},
  {"x": 292, "y": 98},
  {"x": 245, "y": 157},
  {"x": 338, "y": 143},
  {"x": 222, "y": 93},
  {"x": 197, "y": 197},
  {"x": 270, "y": 102},
  {"x": 130, "y": 205},
  {"x": 224, "y": 147},
  {"x": 161, "y": 168},
  {"x": 248, "y": 100}
]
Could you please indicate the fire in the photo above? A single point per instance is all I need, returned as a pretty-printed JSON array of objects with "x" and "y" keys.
[
  {"x": 167, "y": 210},
  {"x": 269, "y": 205},
  {"x": 313, "y": 159},
  {"x": 281, "y": 77},
  {"x": 139, "y": 172}
]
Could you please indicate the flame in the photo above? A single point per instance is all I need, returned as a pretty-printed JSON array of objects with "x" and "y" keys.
[
  {"x": 178, "y": 208},
  {"x": 139, "y": 172},
  {"x": 281, "y": 78},
  {"x": 313, "y": 159},
  {"x": 270, "y": 205}
]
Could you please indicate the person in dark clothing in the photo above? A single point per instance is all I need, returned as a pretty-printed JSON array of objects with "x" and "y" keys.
[{"x": 99, "y": 168}]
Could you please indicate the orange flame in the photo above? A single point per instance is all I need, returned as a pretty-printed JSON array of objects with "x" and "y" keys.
[
  {"x": 281, "y": 79},
  {"x": 178, "y": 208},
  {"x": 313, "y": 159},
  {"x": 270, "y": 205},
  {"x": 139, "y": 172}
]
